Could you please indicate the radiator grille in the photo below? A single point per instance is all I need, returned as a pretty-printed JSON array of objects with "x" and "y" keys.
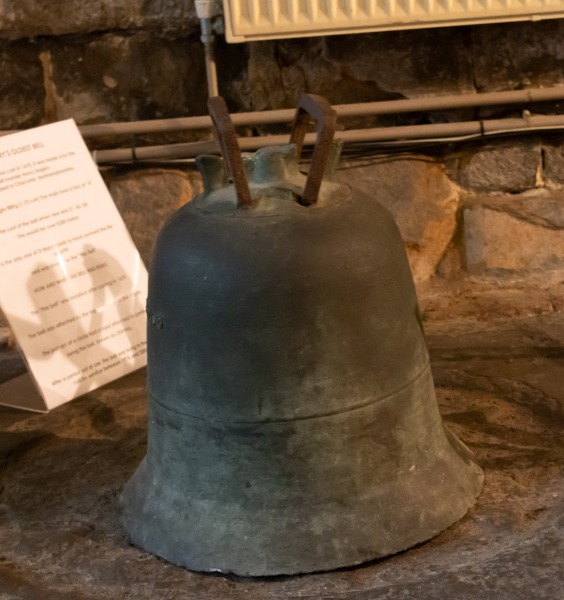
[{"x": 248, "y": 20}]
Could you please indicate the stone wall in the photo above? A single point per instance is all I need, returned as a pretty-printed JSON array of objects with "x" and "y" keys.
[
  {"x": 445, "y": 205},
  {"x": 138, "y": 59},
  {"x": 475, "y": 217}
]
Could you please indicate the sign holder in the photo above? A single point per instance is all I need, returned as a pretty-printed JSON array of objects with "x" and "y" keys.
[{"x": 72, "y": 284}]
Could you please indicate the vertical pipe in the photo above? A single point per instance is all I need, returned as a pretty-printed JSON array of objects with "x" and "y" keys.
[
  {"x": 206, "y": 11},
  {"x": 208, "y": 39}
]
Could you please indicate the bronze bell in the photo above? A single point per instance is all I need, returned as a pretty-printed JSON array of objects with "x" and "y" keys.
[{"x": 293, "y": 424}]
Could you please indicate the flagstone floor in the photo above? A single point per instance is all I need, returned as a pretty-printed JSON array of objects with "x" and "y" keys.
[{"x": 500, "y": 387}]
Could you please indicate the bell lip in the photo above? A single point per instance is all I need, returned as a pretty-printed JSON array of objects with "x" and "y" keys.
[
  {"x": 138, "y": 535},
  {"x": 361, "y": 562}
]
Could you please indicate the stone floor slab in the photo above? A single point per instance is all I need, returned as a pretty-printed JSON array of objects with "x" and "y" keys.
[{"x": 500, "y": 390}]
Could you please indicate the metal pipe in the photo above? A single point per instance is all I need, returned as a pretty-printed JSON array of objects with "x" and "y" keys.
[
  {"x": 383, "y": 134},
  {"x": 268, "y": 117},
  {"x": 211, "y": 69},
  {"x": 208, "y": 40},
  {"x": 343, "y": 110},
  {"x": 207, "y": 10},
  {"x": 451, "y": 102}
]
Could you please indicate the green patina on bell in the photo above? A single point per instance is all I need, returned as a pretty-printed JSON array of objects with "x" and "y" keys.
[{"x": 293, "y": 424}]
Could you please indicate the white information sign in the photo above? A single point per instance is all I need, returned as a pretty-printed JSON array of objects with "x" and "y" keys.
[{"x": 72, "y": 283}]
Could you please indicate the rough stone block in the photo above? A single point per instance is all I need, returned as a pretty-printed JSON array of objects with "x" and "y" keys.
[
  {"x": 32, "y": 18},
  {"x": 553, "y": 164},
  {"x": 415, "y": 62},
  {"x": 422, "y": 200},
  {"x": 500, "y": 168},
  {"x": 146, "y": 198},
  {"x": 22, "y": 94},
  {"x": 516, "y": 55},
  {"x": 510, "y": 236},
  {"x": 123, "y": 78},
  {"x": 357, "y": 68}
]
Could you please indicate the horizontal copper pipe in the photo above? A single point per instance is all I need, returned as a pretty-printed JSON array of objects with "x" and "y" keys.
[
  {"x": 382, "y": 134},
  {"x": 343, "y": 110}
]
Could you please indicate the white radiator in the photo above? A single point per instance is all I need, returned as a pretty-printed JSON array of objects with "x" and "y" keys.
[{"x": 248, "y": 20}]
